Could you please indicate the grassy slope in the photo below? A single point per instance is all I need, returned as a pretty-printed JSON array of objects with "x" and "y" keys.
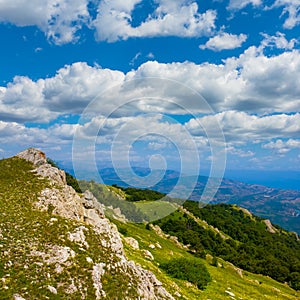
[
  {"x": 24, "y": 229},
  {"x": 250, "y": 286},
  {"x": 156, "y": 209}
]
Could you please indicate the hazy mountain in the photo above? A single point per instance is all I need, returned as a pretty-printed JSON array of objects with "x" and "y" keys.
[{"x": 282, "y": 207}]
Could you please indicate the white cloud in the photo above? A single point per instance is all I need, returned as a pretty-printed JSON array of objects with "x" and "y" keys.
[
  {"x": 282, "y": 147},
  {"x": 252, "y": 83},
  {"x": 38, "y": 49},
  {"x": 239, "y": 4},
  {"x": 292, "y": 9},
  {"x": 73, "y": 87},
  {"x": 69, "y": 91},
  {"x": 133, "y": 60},
  {"x": 224, "y": 41},
  {"x": 239, "y": 152},
  {"x": 58, "y": 19},
  {"x": 279, "y": 41},
  {"x": 267, "y": 82},
  {"x": 61, "y": 20},
  {"x": 150, "y": 55},
  {"x": 170, "y": 18},
  {"x": 241, "y": 128},
  {"x": 22, "y": 100}
]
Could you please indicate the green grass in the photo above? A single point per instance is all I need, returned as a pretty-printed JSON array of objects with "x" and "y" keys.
[
  {"x": 226, "y": 278},
  {"x": 156, "y": 209},
  {"x": 24, "y": 230}
]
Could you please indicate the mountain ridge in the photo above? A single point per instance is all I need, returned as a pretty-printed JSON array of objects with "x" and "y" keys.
[
  {"x": 281, "y": 206},
  {"x": 87, "y": 218}
]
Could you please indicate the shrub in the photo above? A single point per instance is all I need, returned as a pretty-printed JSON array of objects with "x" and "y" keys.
[
  {"x": 214, "y": 262},
  {"x": 190, "y": 269},
  {"x": 72, "y": 181}
]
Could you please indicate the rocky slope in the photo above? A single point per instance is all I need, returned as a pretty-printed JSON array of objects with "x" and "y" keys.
[{"x": 84, "y": 259}]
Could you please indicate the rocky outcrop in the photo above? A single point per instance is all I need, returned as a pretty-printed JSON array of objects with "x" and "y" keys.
[
  {"x": 133, "y": 243},
  {"x": 270, "y": 227},
  {"x": 38, "y": 159},
  {"x": 62, "y": 200},
  {"x": 35, "y": 156}
]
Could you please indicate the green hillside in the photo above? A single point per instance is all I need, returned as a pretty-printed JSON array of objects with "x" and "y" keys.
[
  {"x": 239, "y": 238},
  {"x": 31, "y": 240},
  {"x": 224, "y": 278},
  {"x": 210, "y": 243}
]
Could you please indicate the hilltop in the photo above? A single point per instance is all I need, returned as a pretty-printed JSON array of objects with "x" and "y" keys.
[{"x": 59, "y": 244}]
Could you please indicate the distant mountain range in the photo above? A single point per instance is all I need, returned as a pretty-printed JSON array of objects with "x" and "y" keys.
[{"x": 282, "y": 207}]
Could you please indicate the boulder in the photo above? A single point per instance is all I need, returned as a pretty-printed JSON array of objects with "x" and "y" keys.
[{"x": 133, "y": 243}]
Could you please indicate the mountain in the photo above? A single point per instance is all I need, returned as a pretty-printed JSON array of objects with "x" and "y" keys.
[
  {"x": 57, "y": 243},
  {"x": 282, "y": 207}
]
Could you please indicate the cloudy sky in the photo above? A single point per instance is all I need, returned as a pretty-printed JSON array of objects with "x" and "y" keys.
[{"x": 170, "y": 83}]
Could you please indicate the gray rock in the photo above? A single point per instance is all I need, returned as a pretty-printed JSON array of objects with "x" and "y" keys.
[
  {"x": 97, "y": 273},
  {"x": 18, "y": 297},
  {"x": 78, "y": 236},
  {"x": 270, "y": 227},
  {"x": 52, "y": 289},
  {"x": 132, "y": 242},
  {"x": 148, "y": 254},
  {"x": 35, "y": 156}
]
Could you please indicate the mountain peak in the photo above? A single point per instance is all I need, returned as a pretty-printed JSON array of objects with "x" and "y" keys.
[{"x": 36, "y": 156}]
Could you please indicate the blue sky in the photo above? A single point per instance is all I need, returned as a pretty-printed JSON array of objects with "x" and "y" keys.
[{"x": 171, "y": 83}]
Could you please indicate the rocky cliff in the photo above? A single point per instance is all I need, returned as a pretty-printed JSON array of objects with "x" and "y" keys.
[{"x": 89, "y": 224}]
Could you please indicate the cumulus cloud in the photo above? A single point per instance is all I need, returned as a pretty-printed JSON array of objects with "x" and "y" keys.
[
  {"x": 240, "y": 127},
  {"x": 278, "y": 41},
  {"x": 170, "y": 18},
  {"x": 61, "y": 20},
  {"x": 124, "y": 131},
  {"x": 239, "y": 4},
  {"x": 239, "y": 152},
  {"x": 292, "y": 9},
  {"x": 58, "y": 19},
  {"x": 267, "y": 81},
  {"x": 22, "y": 100},
  {"x": 68, "y": 92},
  {"x": 282, "y": 147},
  {"x": 74, "y": 86},
  {"x": 224, "y": 41},
  {"x": 252, "y": 83}
]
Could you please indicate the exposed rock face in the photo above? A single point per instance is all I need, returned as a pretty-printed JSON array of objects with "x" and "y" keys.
[
  {"x": 35, "y": 156},
  {"x": 55, "y": 255},
  {"x": 78, "y": 237},
  {"x": 148, "y": 254},
  {"x": 270, "y": 227},
  {"x": 62, "y": 200},
  {"x": 38, "y": 158},
  {"x": 132, "y": 242}
]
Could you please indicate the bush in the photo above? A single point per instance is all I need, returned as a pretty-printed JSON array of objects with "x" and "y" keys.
[
  {"x": 214, "y": 262},
  {"x": 192, "y": 270},
  {"x": 294, "y": 280},
  {"x": 123, "y": 230},
  {"x": 72, "y": 181}
]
